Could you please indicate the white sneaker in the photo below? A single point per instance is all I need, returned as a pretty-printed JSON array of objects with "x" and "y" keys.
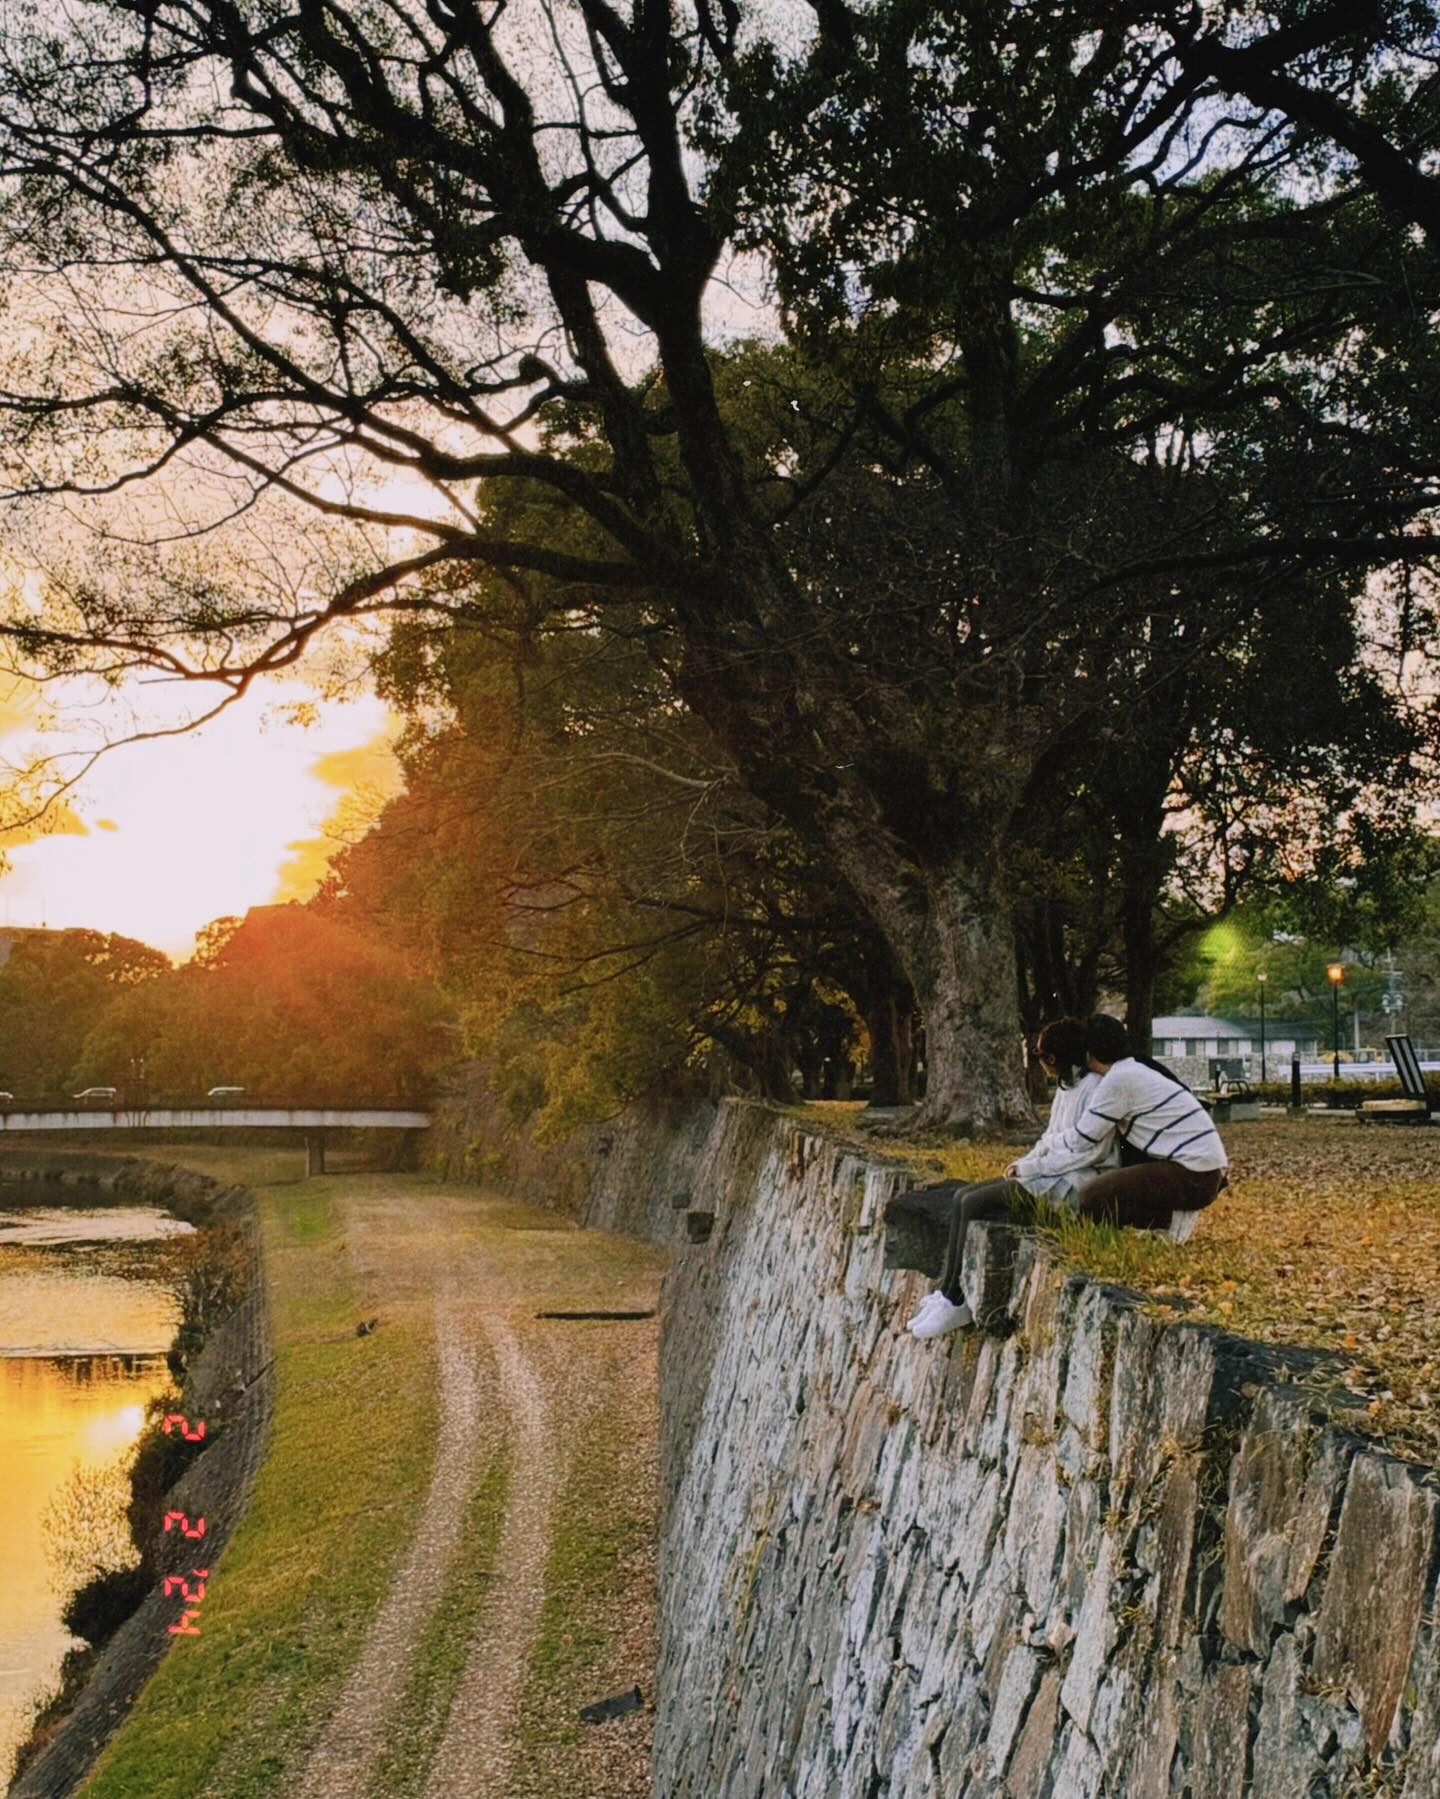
[
  {"x": 928, "y": 1305},
  {"x": 941, "y": 1320}
]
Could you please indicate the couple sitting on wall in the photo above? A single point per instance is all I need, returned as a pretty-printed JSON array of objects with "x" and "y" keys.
[{"x": 1127, "y": 1143}]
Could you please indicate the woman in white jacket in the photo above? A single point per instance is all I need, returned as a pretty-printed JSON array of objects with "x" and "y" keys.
[{"x": 1061, "y": 1049}]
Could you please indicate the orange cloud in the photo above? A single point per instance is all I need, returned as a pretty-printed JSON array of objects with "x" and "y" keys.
[
  {"x": 369, "y": 768},
  {"x": 20, "y": 710},
  {"x": 367, "y": 776}
]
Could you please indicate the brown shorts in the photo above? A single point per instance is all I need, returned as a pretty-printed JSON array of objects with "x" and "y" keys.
[{"x": 1146, "y": 1193}]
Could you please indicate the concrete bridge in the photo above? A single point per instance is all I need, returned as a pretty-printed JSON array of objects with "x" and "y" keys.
[{"x": 311, "y": 1121}]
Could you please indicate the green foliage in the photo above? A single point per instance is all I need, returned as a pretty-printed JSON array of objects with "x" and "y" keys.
[
  {"x": 53, "y": 987},
  {"x": 1222, "y": 975},
  {"x": 292, "y": 1002},
  {"x": 1104, "y": 364},
  {"x": 98, "y": 1610},
  {"x": 576, "y": 862}
]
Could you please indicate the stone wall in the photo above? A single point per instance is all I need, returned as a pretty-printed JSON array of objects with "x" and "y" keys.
[
  {"x": 1072, "y": 1553},
  {"x": 633, "y": 1173}
]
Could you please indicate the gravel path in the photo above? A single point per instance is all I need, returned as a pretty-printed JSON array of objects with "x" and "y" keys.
[{"x": 504, "y": 1378}]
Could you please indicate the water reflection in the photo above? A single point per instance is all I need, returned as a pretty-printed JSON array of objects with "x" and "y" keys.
[
  {"x": 43, "y": 1225},
  {"x": 81, "y": 1352}
]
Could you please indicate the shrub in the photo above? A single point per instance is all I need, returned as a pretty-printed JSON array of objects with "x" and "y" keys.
[{"x": 100, "y": 1607}]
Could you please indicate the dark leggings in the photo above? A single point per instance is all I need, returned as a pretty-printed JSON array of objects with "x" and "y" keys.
[{"x": 986, "y": 1199}]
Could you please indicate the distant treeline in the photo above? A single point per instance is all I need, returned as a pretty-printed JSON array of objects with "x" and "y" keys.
[{"x": 290, "y": 1000}]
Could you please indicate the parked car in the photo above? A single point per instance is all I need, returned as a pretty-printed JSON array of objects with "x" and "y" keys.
[
  {"x": 97, "y": 1093},
  {"x": 225, "y": 1093},
  {"x": 6, "y": 1098}
]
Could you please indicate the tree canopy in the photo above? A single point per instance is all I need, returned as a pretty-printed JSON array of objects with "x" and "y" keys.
[{"x": 1112, "y": 359}]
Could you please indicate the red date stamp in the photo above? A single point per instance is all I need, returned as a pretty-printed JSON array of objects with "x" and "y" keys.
[{"x": 189, "y": 1625}]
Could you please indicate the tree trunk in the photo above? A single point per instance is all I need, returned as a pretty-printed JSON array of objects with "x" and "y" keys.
[
  {"x": 952, "y": 934},
  {"x": 1144, "y": 865},
  {"x": 947, "y": 922},
  {"x": 887, "y": 1019},
  {"x": 839, "y": 1078},
  {"x": 965, "y": 986}
]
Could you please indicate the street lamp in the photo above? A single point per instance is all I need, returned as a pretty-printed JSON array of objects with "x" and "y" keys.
[
  {"x": 1335, "y": 974},
  {"x": 1261, "y": 979}
]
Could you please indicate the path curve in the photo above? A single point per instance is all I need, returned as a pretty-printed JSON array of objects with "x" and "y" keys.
[{"x": 342, "y": 1762}]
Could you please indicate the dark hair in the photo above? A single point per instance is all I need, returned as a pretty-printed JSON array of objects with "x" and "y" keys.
[
  {"x": 1105, "y": 1038},
  {"x": 1062, "y": 1042}
]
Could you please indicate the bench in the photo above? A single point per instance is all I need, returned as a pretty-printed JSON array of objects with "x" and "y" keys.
[
  {"x": 1416, "y": 1107},
  {"x": 1230, "y": 1099}
]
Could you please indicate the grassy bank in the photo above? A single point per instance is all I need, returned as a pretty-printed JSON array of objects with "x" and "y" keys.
[
  {"x": 1328, "y": 1237},
  {"x": 332, "y": 1511}
]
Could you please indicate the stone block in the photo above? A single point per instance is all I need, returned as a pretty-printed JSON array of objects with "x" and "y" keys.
[
  {"x": 1319, "y": 1503},
  {"x": 1286, "y": 1760},
  {"x": 1129, "y": 1421},
  {"x": 1375, "y": 1586},
  {"x": 1083, "y": 1399},
  {"x": 1173, "y": 1548},
  {"x": 1095, "y": 1633},
  {"x": 987, "y": 1274},
  {"x": 1080, "y": 1772},
  {"x": 1423, "y": 1749},
  {"x": 1220, "y": 1734},
  {"x": 921, "y": 1777},
  {"x": 981, "y": 1408},
  {"x": 1084, "y": 1531},
  {"x": 1113, "y": 1715},
  {"x": 1267, "y": 1481},
  {"x": 1035, "y": 1526},
  {"x": 917, "y": 1227},
  {"x": 1019, "y": 1678},
  {"x": 1028, "y": 1774},
  {"x": 1189, "y": 1388},
  {"x": 1142, "y": 1768}
]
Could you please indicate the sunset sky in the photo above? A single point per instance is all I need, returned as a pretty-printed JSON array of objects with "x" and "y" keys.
[{"x": 162, "y": 837}]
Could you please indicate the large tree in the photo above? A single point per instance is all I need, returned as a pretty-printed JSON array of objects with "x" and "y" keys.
[
  {"x": 1125, "y": 299},
  {"x": 577, "y": 862}
]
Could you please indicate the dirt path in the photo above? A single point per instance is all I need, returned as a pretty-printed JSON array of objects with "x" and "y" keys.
[
  {"x": 339, "y": 1765},
  {"x": 474, "y": 1754},
  {"x": 477, "y": 1270}
]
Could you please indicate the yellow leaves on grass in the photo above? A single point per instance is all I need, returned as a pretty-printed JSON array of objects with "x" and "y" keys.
[{"x": 1328, "y": 1238}]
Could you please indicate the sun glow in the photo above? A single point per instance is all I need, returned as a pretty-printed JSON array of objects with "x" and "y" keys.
[{"x": 161, "y": 837}]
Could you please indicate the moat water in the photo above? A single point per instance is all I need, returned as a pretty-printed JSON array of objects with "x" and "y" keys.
[{"x": 85, "y": 1320}]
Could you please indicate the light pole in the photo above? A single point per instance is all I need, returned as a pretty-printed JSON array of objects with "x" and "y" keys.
[
  {"x": 1335, "y": 974},
  {"x": 1261, "y": 979}
]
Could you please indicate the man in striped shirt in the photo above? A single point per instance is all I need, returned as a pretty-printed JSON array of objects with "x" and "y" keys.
[{"x": 1176, "y": 1160}]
